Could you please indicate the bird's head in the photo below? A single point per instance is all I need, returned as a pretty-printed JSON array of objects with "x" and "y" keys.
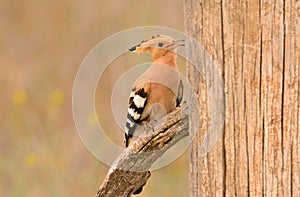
[{"x": 158, "y": 45}]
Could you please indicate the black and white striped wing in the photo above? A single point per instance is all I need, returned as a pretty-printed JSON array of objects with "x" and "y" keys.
[
  {"x": 137, "y": 103},
  {"x": 179, "y": 94}
]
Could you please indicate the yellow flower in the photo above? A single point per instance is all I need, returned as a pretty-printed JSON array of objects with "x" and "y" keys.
[
  {"x": 57, "y": 97},
  {"x": 30, "y": 160},
  {"x": 19, "y": 97},
  {"x": 92, "y": 119}
]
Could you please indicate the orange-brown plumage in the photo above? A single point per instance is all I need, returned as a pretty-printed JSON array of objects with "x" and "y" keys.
[
  {"x": 158, "y": 90},
  {"x": 160, "y": 83}
]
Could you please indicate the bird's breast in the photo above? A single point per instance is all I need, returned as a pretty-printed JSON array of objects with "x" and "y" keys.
[{"x": 162, "y": 74}]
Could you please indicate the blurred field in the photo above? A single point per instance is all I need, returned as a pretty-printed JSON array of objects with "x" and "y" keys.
[{"x": 42, "y": 44}]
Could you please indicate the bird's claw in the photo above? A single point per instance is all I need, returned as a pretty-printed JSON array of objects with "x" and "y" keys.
[{"x": 149, "y": 127}]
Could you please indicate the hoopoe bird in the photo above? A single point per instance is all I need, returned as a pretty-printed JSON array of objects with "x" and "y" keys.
[{"x": 158, "y": 91}]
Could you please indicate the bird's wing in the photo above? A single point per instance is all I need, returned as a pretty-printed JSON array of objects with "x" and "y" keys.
[
  {"x": 179, "y": 94},
  {"x": 137, "y": 103}
]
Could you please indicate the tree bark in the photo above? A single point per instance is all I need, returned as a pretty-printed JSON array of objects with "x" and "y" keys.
[
  {"x": 257, "y": 47},
  {"x": 129, "y": 171}
]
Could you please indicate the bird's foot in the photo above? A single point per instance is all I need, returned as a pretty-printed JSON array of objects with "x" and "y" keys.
[{"x": 150, "y": 126}]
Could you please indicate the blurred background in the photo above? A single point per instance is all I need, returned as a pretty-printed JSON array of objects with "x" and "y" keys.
[{"x": 42, "y": 44}]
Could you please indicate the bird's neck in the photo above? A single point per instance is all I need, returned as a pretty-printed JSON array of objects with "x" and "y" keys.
[{"x": 168, "y": 59}]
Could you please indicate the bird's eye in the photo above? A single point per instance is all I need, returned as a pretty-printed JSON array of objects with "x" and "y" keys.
[{"x": 160, "y": 44}]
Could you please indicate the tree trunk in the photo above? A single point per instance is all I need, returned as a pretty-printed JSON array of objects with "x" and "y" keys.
[{"x": 257, "y": 47}]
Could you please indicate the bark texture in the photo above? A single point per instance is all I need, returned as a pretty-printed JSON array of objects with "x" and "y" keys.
[
  {"x": 129, "y": 171},
  {"x": 256, "y": 44}
]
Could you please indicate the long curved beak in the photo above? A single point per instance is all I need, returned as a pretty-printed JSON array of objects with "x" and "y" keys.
[
  {"x": 179, "y": 42},
  {"x": 175, "y": 44}
]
